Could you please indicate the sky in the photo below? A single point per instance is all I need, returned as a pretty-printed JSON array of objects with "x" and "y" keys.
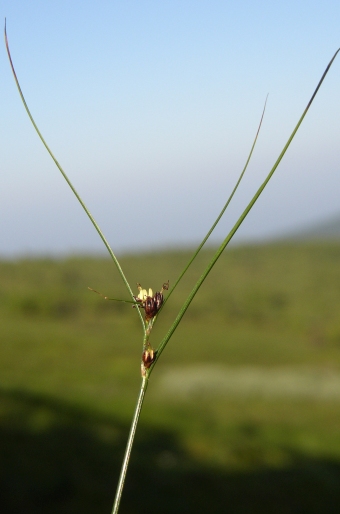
[{"x": 151, "y": 108}]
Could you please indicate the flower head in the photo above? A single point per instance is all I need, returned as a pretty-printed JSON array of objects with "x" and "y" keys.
[{"x": 150, "y": 302}]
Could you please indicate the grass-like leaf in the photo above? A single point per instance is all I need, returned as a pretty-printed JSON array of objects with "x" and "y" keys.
[
  {"x": 205, "y": 239},
  {"x": 101, "y": 235},
  {"x": 238, "y": 223}
]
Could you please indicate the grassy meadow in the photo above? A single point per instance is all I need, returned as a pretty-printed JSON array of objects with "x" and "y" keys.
[{"x": 242, "y": 413}]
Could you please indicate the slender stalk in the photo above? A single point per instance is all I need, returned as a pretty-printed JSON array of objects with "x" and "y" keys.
[
  {"x": 237, "y": 224},
  {"x": 101, "y": 235},
  {"x": 221, "y": 213},
  {"x": 123, "y": 471}
]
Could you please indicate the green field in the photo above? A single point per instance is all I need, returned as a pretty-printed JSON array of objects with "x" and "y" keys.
[{"x": 242, "y": 413}]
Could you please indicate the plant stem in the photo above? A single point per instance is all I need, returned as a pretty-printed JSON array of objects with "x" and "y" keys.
[{"x": 138, "y": 408}]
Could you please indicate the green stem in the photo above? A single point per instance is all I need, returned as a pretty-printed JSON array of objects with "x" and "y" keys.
[
  {"x": 226, "y": 241},
  {"x": 101, "y": 235},
  {"x": 129, "y": 444}
]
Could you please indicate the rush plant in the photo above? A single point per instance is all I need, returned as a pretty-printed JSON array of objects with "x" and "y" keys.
[{"x": 149, "y": 305}]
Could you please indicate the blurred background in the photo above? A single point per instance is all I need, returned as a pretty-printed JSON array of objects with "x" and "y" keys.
[{"x": 151, "y": 108}]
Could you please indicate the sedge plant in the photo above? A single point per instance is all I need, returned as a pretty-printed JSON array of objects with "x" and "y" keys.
[{"x": 148, "y": 305}]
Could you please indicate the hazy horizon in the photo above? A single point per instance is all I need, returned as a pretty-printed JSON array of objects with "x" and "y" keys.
[{"x": 297, "y": 233}]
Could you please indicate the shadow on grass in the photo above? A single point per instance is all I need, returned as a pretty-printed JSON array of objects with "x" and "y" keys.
[{"x": 57, "y": 459}]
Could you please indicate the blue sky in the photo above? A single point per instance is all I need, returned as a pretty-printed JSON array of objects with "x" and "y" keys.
[{"x": 151, "y": 108}]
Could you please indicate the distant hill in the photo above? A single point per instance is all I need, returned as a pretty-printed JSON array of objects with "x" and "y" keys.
[{"x": 328, "y": 229}]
